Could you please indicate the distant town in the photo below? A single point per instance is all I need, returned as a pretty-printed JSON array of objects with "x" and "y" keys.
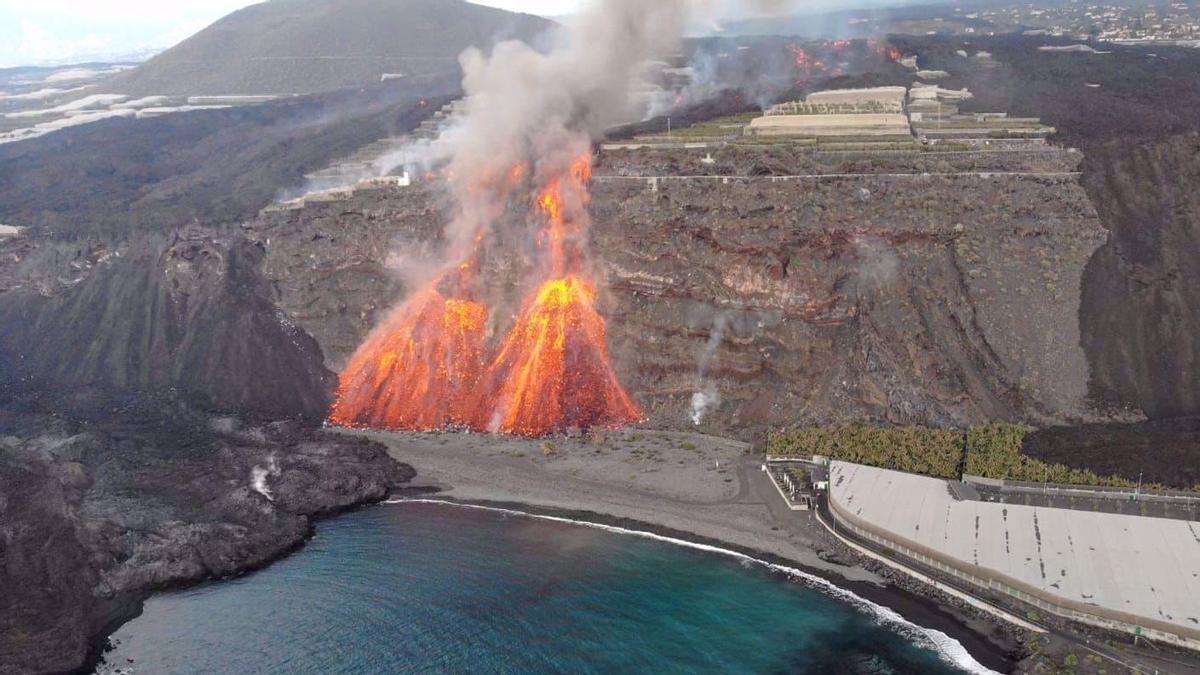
[{"x": 1176, "y": 23}]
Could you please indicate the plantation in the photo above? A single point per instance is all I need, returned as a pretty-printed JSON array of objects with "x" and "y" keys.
[
  {"x": 994, "y": 451},
  {"x": 933, "y": 452}
]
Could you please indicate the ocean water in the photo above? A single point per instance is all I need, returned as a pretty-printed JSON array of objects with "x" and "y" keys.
[{"x": 427, "y": 587}]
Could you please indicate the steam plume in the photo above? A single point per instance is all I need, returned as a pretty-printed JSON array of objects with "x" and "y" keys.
[{"x": 541, "y": 110}]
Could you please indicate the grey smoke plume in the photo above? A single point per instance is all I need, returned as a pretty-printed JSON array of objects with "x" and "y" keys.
[{"x": 541, "y": 111}]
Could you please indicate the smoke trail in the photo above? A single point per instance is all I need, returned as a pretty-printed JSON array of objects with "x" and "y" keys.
[{"x": 526, "y": 130}]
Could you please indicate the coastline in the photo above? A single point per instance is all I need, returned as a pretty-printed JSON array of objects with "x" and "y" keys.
[
  {"x": 700, "y": 509},
  {"x": 903, "y": 610},
  {"x": 505, "y": 478}
]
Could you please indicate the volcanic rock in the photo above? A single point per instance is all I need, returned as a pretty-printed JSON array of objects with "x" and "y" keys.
[
  {"x": 97, "y": 513},
  {"x": 307, "y": 46},
  {"x": 944, "y": 299},
  {"x": 186, "y": 316}
]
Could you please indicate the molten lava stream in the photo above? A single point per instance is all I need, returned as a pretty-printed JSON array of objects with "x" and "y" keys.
[
  {"x": 416, "y": 368},
  {"x": 552, "y": 372}
]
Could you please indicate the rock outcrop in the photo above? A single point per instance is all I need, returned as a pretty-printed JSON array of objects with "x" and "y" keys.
[{"x": 96, "y": 514}]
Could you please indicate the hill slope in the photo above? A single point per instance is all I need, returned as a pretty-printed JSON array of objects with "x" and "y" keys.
[{"x": 307, "y": 46}]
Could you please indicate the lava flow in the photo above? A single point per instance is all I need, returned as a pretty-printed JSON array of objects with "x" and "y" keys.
[
  {"x": 427, "y": 367},
  {"x": 553, "y": 372},
  {"x": 417, "y": 368}
]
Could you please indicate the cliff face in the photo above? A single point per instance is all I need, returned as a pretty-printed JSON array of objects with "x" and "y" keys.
[
  {"x": 1141, "y": 303},
  {"x": 936, "y": 299},
  {"x": 189, "y": 317},
  {"x": 1136, "y": 121}
]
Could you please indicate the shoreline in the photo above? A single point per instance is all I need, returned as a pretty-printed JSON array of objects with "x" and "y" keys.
[
  {"x": 130, "y": 606},
  {"x": 703, "y": 509},
  {"x": 984, "y": 639},
  {"x": 890, "y": 605}
]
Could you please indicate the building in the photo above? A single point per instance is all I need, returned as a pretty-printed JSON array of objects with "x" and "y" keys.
[
  {"x": 878, "y": 124},
  {"x": 849, "y": 113},
  {"x": 881, "y": 95}
]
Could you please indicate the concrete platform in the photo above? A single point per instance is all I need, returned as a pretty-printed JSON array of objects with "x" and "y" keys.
[{"x": 1144, "y": 571}]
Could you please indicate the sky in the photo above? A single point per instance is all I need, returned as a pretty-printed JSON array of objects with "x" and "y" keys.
[{"x": 54, "y": 32}]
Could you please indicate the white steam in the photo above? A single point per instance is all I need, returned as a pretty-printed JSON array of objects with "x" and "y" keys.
[
  {"x": 704, "y": 402},
  {"x": 708, "y": 398},
  {"x": 258, "y": 477}
]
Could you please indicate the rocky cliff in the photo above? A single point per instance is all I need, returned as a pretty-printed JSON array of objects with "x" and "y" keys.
[{"x": 891, "y": 294}]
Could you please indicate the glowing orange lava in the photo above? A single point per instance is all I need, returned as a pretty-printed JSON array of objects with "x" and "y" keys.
[
  {"x": 552, "y": 372},
  {"x": 417, "y": 368},
  {"x": 427, "y": 367}
]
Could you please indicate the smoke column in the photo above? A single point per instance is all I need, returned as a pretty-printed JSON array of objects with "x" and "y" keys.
[
  {"x": 540, "y": 111},
  {"x": 529, "y": 119}
]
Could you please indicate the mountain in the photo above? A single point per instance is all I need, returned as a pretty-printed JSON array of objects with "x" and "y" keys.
[{"x": 308, "y": 46}]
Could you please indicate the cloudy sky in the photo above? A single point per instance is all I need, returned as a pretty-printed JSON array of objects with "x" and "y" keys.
[{"x": 34, "y": 32}]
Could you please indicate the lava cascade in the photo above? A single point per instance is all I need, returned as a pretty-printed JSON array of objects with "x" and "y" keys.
[
  {"x": 417, "y": 368},
  {"x": 426, "y": 367},
  {"x": 553, "y": 370}
]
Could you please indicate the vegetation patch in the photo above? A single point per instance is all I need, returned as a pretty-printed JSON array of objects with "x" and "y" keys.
[
  {"x": 994, "y": 451},
  {"x": 933, "y": 452}
]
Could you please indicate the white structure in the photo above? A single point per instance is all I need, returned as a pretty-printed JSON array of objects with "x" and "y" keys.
[
  {"x": 855, "y": 96},
  {"x": 7, "y": 231},
  {"x": 233, "y": 99},
  {"x": 1129, "y": 573},
  {"x": 879, "y": 124},
  {"x": 932, "y": 92}
]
